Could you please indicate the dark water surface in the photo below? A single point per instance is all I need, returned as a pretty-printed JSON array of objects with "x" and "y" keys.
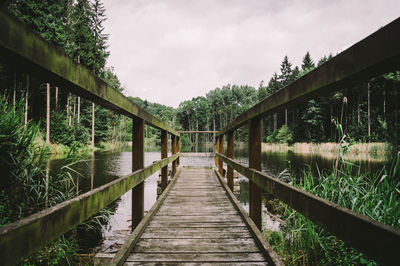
[{"x": 103, "y": 167}]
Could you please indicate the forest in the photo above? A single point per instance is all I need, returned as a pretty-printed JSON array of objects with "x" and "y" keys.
[{"x": 368, "y": 111}]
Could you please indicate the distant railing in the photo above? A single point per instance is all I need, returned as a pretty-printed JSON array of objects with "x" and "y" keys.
[
  {"x": 26, "y": 51},
  {"x": 377, "y": 54}
]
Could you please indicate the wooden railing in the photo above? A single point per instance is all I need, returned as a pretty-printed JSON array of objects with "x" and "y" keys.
[
  {"x": 26, "y": 51},
  {"x": 377, "y": 54}
]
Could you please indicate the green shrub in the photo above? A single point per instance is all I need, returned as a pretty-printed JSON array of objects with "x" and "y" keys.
[{"x": 284, "y": 135}]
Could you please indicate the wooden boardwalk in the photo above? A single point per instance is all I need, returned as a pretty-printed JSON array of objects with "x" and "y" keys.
[{"x": 198, "y": 222}]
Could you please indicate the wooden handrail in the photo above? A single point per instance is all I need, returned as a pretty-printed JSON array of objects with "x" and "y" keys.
[
  {"x": 375, "y": 239},
  {"x": 23, "y": 237}
]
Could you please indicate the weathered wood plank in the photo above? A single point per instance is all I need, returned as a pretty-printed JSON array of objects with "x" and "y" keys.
[
  {"x": 198, "y": 263},
  {"x": 197, "y": 257},
  {"x": 195, "y": 224},
  {"x": 196, "y": 245},
  {"x": 203, "y": 219}
]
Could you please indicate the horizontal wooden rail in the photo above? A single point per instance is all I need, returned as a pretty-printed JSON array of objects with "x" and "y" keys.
[
  {"x": 27, "y": 51},
  {"x": 376, "y": 54},
  {"x": 198, "y": 131},
  {"x": 23, "y": 237},
  {"x": 375, "y": 239}
]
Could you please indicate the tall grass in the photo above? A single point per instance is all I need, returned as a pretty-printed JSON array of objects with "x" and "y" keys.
[{"x": 303, "y": 242}]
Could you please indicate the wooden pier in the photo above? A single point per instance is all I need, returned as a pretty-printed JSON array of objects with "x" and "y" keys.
[{"x": 197, "y": 220}]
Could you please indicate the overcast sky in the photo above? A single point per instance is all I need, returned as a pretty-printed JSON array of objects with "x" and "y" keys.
[{"x": 168, "y": 51}]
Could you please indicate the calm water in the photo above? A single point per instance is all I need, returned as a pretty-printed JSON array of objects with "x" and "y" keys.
[{"x": 103, "y": 167}]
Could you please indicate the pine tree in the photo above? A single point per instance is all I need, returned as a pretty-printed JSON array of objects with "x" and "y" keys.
[
  {"x": 308, "y": 63},
  {"x": 100, "y": 38},
  {"x": 286, "y": 72}
]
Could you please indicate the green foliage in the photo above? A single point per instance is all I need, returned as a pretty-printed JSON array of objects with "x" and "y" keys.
[
  {"x": 62, "y": 251},
  {"x": 62, "y": 133},
  {"x": 285, "y": 135},
  {"x": 303, "y": 242}
]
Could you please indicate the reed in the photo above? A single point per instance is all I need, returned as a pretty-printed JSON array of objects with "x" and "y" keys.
[{"x": 303, "y": 242}]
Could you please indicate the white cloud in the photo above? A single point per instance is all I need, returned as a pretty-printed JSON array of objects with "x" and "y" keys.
[{"x": 170, "y": 51}]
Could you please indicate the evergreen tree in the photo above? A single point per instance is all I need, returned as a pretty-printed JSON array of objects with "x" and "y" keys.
[{"x": 308, "y": 63}]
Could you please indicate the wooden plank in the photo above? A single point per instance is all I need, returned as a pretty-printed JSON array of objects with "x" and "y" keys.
[
  {"x": 23, "y": 237},
  {"x": 221, "y": 150},
  {"x": 30, "y": 53},
  {"x": 194, "y": 224},
  {"x": 203, "y": 219},
  {"x": 197, "y": 257},
  {"x": 376, "y": 54},
  {"x": 269, "y": 253},
  {"x": 198, "y": 263},
  {"x": 125, "y": 250},
  {"x": 381, "y": 242},
  {"x": 196, "y": 245}
]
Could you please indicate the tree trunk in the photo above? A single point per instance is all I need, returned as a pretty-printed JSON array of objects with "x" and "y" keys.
[
  {"x": 384, "y": 104},
  {"x": 285, "y": 116},
  {"x": 74, "y": 107},
  {"x": 275, "y": 121},
  {"x": 26, "y": 100},
  {"x": 79, "y": 108},
  {"x": 358, "y": 110},
  {"x": 56, "y": 97},
  {"x": 15, "y": 89},
  {"x": 48, "y": 115},
  {"x": 92, "y": 124},
  {"x": 197, "y": 134},
  {"x": 369, "y": 112}
]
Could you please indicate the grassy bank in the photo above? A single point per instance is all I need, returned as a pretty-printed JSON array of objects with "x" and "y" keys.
[
  {"x": 302, "y": 242},
  {"x": 377, "y": 148}
]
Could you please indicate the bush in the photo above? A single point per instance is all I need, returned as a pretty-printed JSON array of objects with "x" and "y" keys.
[{"x": 285, "y": 135}]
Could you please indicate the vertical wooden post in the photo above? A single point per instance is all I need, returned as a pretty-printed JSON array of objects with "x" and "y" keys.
[
  {"x": 229, "y": 174},
  {"x": 48, "y": 114},
  {"x": 92, "y": 124},
  {"x": 221, "y": 151},
  {"x": 216, "y": 150},
  {"x": 255, "y": 163},
  {"x": 178, "y": 148},
  {"x": 173, "y": 152},
  {"x": 137, "y": 163},
  {"x": 164, "y": 154}
]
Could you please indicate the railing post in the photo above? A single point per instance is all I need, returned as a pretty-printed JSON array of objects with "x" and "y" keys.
[
  {"x": 229, "y": 174},
  {"x": 178, "y": 147},
  {"x": 255, "y": 163},
  {"x": 216, "y": 150},
  {"x": 164, "y": 154},
  {"x": 173, "y": 143},
  {"x": 221, "y": 150},
  {"x": 137, "y": 163}
]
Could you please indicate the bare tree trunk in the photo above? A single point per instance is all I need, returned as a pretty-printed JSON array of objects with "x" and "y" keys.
[
  {"x": 79, "y": 108},
  {"x": 358, "y": 110},
  {"x": 92, "y": 124},
  {"x": 197, "y": 134},
  {"x": 369, "y": 112},
  {"x": 48, "y": 115},
  {"x": 26, "y": 100},
  {"x": 384, "y": 104},
  {"x": 74, "y": 107},
  {"x": 15, "y": 89},
  {"x": 56, "y": 97},
  {"x": 285, "y": 116},
  {"x": 275, "y": 121}
]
